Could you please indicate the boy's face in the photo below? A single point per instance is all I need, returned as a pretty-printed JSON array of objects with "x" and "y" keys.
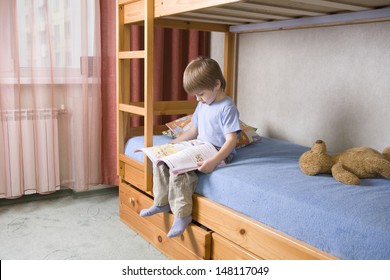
[{"x": 208, "y": 96}]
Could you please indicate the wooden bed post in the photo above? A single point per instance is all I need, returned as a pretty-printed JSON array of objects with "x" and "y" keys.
[
  {"x": 122, "y": 81},
  {"x": 148, "y": 95},
  {"x": 230, "y": 64}
]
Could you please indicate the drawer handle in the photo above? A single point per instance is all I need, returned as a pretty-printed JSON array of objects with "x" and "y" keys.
[{"x": 132, "y": 200}]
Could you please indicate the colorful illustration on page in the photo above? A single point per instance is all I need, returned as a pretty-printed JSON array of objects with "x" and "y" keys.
[
  {"x": 199, "y": 158},
  {"x": 163, "y": 151}
]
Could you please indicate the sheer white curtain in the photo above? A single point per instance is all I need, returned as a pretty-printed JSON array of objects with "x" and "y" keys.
[{"x": 50, "y": 95}]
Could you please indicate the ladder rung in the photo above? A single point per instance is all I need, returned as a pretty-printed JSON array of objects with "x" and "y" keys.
[
  {"x": 131, "y": 54},
  {"x": 132, "y": 109},
  {"x": 124, "y": 2}
]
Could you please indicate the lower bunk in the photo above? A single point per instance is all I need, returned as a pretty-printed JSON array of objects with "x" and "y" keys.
[{"x": 261, "y": 206}]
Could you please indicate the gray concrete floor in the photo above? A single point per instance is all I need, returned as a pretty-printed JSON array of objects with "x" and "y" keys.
[{"x": 65, "y": 225}]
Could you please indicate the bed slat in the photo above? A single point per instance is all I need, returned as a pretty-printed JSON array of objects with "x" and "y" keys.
[
  {"x": 169, "y": 7},
  {"x": 332, "y": 4},
  {"x": 308, "y": 22}
]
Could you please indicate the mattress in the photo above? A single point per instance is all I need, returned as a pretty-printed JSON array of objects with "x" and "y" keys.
[{"x": 349, "y": 222}]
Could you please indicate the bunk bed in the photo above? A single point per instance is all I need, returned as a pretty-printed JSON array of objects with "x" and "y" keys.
[{"x": 223, "y": 226}]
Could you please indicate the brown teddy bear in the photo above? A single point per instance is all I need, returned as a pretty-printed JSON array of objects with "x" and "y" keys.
[{"x": 348, "y": 166}]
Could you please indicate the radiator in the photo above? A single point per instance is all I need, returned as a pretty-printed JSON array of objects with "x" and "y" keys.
[{"x": 30, "y": 141}]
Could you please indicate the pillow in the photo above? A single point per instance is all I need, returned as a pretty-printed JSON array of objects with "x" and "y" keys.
[
  {"x": 246, "y": 136},
  {"x": 178, "y": 126},
  {"x": 168, "y": 133}
]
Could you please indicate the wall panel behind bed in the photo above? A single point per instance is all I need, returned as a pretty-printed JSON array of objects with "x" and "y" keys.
[{"x": 330, "y": 83}]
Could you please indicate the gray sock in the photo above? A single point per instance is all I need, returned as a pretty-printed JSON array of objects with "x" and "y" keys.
[
  {"x": 154, "y": 210},
  {"x": 179, "y": 226}
]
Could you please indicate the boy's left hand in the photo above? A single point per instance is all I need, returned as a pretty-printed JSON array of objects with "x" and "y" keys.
[{"x": 207, "y": 166}]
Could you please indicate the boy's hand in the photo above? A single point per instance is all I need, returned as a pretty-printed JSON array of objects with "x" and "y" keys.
[{"x": 207, "y": 166}]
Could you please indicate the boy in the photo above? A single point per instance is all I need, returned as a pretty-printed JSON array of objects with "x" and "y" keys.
[{"x": 216, "y": 120}]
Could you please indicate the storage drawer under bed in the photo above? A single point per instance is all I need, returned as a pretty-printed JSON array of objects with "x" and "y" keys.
[
  {"x": 195, "y": 243},
  {"x": 132, "y": 172},
  {"x": 223, "y": 249}
]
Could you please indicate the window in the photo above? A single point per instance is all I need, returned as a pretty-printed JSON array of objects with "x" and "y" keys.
[{"x": 50, "y": 33}]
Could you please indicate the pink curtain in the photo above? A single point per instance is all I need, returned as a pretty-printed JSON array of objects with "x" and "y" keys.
[
  {"x": 50, "y": 96},
  {"x": 108, "y": 45},
  {"x": 57, "y": 91}
]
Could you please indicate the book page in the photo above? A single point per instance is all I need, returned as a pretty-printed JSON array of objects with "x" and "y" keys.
[
  {"x": 157, "y": 153},
  {"x": 190, "y": 158}
]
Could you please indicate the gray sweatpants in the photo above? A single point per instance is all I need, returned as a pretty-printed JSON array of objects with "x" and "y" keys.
[{"x": 175, "y": 190}]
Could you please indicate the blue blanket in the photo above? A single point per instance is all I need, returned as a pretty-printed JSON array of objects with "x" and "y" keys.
[{"x": 264, "y": 182}]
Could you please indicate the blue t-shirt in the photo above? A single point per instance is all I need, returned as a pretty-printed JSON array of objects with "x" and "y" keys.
[{"x": 215, "y": 120}]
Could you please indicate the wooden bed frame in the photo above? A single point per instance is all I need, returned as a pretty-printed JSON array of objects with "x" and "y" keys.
[{"x": 217, "y": 232}]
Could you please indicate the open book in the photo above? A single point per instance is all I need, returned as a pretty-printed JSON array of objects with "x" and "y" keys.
[{"x": 181, "y": 157}]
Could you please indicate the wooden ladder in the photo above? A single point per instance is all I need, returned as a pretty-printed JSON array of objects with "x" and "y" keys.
[{"x": 124, "y": 56}]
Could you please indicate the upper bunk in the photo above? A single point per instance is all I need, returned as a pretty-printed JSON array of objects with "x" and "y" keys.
[{"x": 240, "y": 16}]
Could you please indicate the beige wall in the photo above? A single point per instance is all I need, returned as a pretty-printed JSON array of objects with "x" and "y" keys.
[{"x": 330, "y": 83}]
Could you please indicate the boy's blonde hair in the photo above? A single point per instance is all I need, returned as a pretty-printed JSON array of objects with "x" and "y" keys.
[{"x": 202, "y": 73}]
